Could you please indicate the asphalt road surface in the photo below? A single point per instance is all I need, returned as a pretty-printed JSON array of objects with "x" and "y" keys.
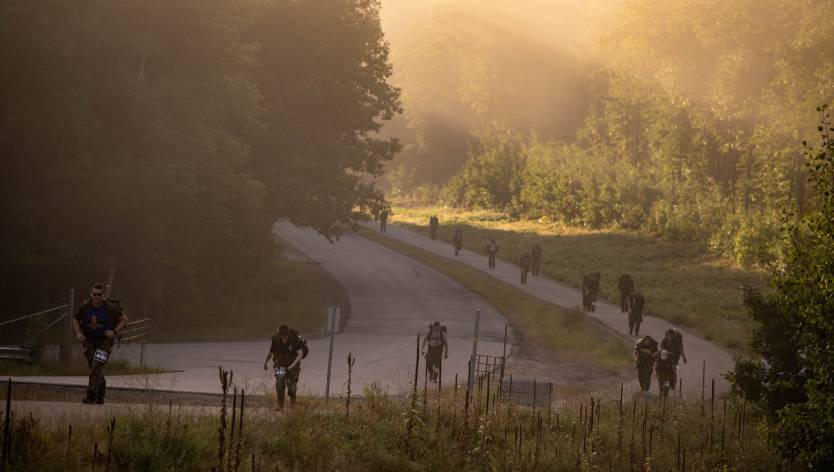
[
  {"x": 707, "y": 360},
  {"x": 393, "y": 298}
]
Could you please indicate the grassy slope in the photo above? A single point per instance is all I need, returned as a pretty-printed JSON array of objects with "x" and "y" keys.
[
  {"x": 680, "y": 281},
  {"x": 565, "y": 331},
  {"x": 286, "y": 292}
]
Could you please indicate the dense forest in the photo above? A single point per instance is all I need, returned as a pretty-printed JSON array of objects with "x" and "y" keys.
[
  {"x": 678, "y": 117},
  {"x": 162, "y": 138}
]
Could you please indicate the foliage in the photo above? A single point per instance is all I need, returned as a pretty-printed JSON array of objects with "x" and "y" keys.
[
  {"x": 794, "y": 379},
  {"x": 686, "y": 125},
  {"x": 163, "y": 139}
]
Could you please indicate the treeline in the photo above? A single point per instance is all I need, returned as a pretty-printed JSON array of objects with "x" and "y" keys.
[
  {"x": 692, "y": 130},
  {"x": 163, "y": 138}
]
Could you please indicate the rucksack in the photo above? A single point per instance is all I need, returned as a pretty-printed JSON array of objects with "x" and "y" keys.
[{"x": 304, "y": 348}]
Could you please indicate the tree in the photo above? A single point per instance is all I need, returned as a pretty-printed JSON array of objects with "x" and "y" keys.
[{"x": 795, "y": 379}]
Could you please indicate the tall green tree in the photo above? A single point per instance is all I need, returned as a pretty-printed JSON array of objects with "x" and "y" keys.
[{"x": 794, "y": 379}]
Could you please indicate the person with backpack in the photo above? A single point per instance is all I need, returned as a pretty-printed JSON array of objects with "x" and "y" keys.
[
  {"x": 626, "y": 286},
  {"x": 492, "y": 251},
  {"x": 457, "y": 240},
  {"x": 673, "y": 342},
  {"x": 536, "y": 254},
  {"x": 383, "y": 220},
  {"x": 286, "y": 351},
  {"x": 524, "y": 266},
  {"x": 664, "y": 367},
  {"x": 645, "y": 350},
  {"x": 97, "y": 323},
  {"x": 438, "y": 350},
  {"x": 434, "y": 224},
  {"x": 590, "y": 290},
  {"x": 635, "y": 312}
]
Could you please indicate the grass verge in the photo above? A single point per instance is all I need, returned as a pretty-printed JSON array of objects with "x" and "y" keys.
[
  {"x": 114, "y": 367},
  {"x": 565, "y": 331},
  {"x": 400, "y": 434},
  {"x": 682, "y": 283}
]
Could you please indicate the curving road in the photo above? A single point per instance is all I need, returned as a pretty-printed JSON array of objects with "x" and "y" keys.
[{"x": 392, "y": 297}]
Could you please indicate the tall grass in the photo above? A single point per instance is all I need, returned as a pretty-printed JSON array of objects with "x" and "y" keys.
[
  {"x": 437, "y": 432},
  {"x": 681, "y": 281}
]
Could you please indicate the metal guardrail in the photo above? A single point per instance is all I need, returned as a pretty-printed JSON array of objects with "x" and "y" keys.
[
  {"x": 17, "y": 354},
  {"x": 137, "y": 332}
]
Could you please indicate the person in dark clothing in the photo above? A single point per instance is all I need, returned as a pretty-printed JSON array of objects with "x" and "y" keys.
[
  {"x": 536, "y": 262},
  {"x": 438, "y": 350},
  {"x": 590, "y": 290},
  {"x": 492, "y": 251},
  {"x": 97, "y": 323},
  {"x": 524, "y": 266},
  {"x": 457, "y": 240},
  {"x": 383, "y": 220},
  {"x": 626, "y": 286},
  {"x": 635, "y": 313},
  {"x": 664, "y": 367},
  {"x": 434, "y": 224},
  {"x": 286, "y": 352},
  {"x": 644, "y": 357},
  {"x": 673, "y": 342}
]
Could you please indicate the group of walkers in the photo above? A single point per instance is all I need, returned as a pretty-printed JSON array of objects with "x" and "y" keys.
[
  {"x": 99, "y": 322},
  {"x": 662, "y": 360}
]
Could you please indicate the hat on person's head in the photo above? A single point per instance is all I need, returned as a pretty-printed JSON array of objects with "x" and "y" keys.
[{"x": 284, "y": 330}]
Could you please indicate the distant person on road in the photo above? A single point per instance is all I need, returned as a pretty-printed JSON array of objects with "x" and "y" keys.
[
  {"x": 635, "y": 313},
  {"x": 664, "y": 367},
  {"x": 97, "y": 323},
  {"x": 383, "y": 220},
  {"x": 673, "y": 342},
  {"x": 457, "y": 240},
  {"x": 524, "y": 266},
  {"x": 492, "y": 251},
  {"x": 438, "y": 350},
  {"x": 626, "y": 286},
  {"x": 590, "y": 290},
  {"x": 645, "y": 350},
  {"x": 286, "y": 351},
  {"x": 434, "y": 224},
  {"x": 536, "y": 254}
]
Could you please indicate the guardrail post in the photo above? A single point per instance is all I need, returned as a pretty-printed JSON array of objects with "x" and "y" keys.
[{"x": 65, "y": 348}]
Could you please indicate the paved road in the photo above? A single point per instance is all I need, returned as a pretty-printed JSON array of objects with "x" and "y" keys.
[
  {"x": 699, "y": 351},
  {"x": 393, "y": 298}
]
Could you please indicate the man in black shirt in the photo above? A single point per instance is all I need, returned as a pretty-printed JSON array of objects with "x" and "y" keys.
[
  {"x": 286, "y": 350},
  {"x": 97, "y": 323}
]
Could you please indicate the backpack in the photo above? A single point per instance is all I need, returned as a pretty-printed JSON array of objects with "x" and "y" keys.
[{"x": 304, "y": 348}]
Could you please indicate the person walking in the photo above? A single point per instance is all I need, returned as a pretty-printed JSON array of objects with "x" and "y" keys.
[
  {"x": 626, "y": 286},
  {"x": 635, "y": 313},
  {"x": 434, "y": 224},
  {"x": 457, "y": 240},
  {"x": 673, "y": 342},
  {"x": 383, "y": 220},
  {"x": 644, "y": 357},
  {"x": 97, "y": 323},
  {"x": 524, "y": 266},
  {"x": 536, "y": 254},
  {"x": 286, "y": 351},
  {"x": 438, "y": 350},
  {"x": 492, "y": 251},
  {"x": 590, "y": 290}
]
